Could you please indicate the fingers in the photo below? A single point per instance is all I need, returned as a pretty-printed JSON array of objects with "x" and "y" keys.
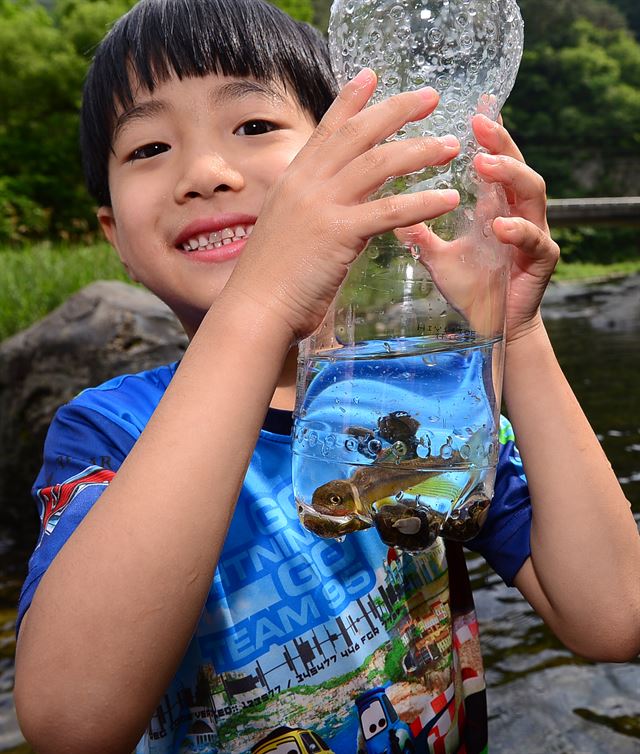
[
  {"x": 495, "y": 138},
  {"x": 405, "y": 210},
  {"x": 349, "y": 129},
  {"x": 527, "y": 237},
  {"x": 350, "y": 101},
  {"x": 526, "y": 190},
  {"x": 369, "y": 171}
]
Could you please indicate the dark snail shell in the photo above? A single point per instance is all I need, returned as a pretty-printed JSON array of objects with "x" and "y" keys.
[
  {"x": 409, "y": 528},
  {"x": 465, "y": 522}
]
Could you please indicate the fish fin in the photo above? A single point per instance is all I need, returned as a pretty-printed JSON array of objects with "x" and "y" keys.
[{"x": 436, "y": 487}]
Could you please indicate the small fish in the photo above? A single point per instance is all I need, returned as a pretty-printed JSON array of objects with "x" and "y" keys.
[
  {"x": 370, "y": 484},
  {"x": 330, "y": 527}
]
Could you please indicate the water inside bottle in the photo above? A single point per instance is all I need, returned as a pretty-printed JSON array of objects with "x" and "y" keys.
[{"x": 398, "y": 434}]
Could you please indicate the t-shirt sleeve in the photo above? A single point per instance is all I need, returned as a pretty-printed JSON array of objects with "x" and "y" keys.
[
  {"x": 83, "y": 450},
  {"x": 504, "y": 540}
]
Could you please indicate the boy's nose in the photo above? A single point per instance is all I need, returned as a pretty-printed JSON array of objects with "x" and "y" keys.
[{"x": 205, "y": 175}]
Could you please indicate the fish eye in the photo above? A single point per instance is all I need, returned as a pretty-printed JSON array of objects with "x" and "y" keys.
[{"x": 335, "y": 499}]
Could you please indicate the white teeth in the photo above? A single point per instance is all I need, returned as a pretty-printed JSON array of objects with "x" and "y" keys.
[{"x": 218, "y": 238}]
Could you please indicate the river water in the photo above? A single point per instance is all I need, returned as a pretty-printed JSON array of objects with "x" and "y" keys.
[{"x": 542, "y": 698}]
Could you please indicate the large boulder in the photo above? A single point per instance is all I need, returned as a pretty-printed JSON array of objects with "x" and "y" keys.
[{"x": 106, "y": 329}]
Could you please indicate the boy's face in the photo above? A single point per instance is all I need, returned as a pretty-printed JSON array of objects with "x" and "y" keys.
[{"x": 189, "y": 172}]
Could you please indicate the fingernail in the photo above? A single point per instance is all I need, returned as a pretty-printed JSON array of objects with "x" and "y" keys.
[
  {"x": 450, "y": 196},
  {"x": 362, "y": 78},
  {"x": 491, "y": 124},
  {"x": 427, "y": 92},
  {"x": 450, "y": 141}
]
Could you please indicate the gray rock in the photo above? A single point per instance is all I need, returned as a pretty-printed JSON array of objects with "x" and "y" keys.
[{"x": 106, "y": 329}]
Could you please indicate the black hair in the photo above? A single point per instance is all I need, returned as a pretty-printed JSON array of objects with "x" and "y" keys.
[{"x": 157, "y": 39}]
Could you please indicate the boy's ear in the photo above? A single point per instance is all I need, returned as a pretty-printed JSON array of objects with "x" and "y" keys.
[
  {"x": 107, "y": 221},
  {"x": 108, "y": 224}
]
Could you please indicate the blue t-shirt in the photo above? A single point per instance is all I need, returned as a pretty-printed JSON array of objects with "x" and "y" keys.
[{"x": 304, "y": 644}]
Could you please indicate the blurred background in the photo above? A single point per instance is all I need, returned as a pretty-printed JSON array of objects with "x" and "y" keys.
[{"x": 575, "y": 113}]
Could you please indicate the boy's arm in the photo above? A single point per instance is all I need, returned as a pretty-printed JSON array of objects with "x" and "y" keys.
[
  {"x": 123, "y": 596},
  {"x": 583, "y": 576}
]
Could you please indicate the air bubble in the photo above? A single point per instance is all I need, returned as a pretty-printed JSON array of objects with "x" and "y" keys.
[
  {"x": 400, "y": 449},
  {"x": 446, "y": 451}
]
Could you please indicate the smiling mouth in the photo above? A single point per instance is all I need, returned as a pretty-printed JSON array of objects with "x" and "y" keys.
[{"x": 218, "y": 238}]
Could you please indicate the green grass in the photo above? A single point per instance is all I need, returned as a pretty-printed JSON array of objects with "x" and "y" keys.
[
  {"x": 36, "y": 279},
  {"x": 586, "y": 271}
]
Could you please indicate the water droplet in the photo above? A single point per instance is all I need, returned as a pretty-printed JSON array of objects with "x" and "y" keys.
[
  {"x": 465, "y": 452},
  {"x": 415, "y": 251},
  {"x": 434, "y": 418},
  {"x": 387, "y": 347},
  {"x": 351, "y": 444}
]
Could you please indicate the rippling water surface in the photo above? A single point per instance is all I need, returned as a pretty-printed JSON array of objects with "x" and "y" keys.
[{"x": 542, "y": 699}]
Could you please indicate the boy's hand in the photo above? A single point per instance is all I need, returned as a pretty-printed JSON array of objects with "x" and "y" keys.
[
  {"x": 316, "y": 219},
  {"x": 535, "y": 252}
]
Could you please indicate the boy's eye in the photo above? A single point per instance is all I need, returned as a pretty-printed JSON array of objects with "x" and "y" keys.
[
  {"x": 255, "y": 128},
  {"x": 148, "y": 150}
]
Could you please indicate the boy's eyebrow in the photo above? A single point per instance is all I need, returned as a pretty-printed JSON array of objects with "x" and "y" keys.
[
  {"x": 235, "y": 90},
  {"x": 139, "y": 112}
]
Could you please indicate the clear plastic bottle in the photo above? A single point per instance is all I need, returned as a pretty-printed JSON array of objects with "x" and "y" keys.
[{"x": 397, "y": 411}]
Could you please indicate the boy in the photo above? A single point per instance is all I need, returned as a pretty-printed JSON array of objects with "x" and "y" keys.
[{"x": 233, "y": 188}]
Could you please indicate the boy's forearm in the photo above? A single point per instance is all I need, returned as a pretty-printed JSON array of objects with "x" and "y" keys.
[
  {"x": 583, "y": 575},
  {"x": 123, "y": 596}
]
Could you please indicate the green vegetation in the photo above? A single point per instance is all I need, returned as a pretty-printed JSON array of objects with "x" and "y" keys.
[
  {"x": 591, "y": 271},
  {"x": 35, "y": 280}
]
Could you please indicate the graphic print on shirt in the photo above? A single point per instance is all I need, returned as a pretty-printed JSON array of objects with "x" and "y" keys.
[
  {"x": 54, "y": 500},
  {"x": 381, "y": 675}
]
